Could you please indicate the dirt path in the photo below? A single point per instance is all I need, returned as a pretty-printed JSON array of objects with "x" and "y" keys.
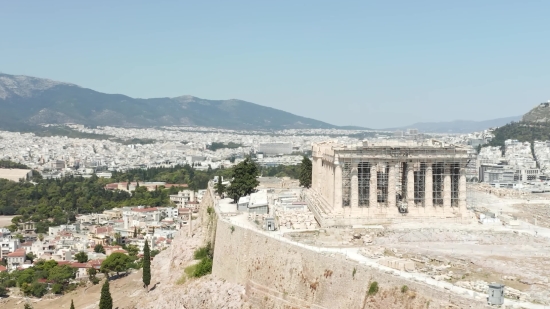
[{"x": 5, "y": 220}]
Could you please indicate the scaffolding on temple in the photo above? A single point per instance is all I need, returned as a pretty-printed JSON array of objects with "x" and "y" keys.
[{"x": 384, "y": 180}]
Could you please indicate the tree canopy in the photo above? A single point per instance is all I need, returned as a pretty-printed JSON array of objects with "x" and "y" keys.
[
  {"x": 133, "y": 250},
  {"x": 62, "y": 274},
  {"x": 216, "y": 145},
  {"x": 244, "y": 179},
  {"x": 220, "y": 187},
  {"x": 52, "y": 202},
  {"x": 30, "y": 279},
  {"x": 99, "y": 248},
  {"x": 81, "y": 257},
  {"x": 116, "y": 262}
]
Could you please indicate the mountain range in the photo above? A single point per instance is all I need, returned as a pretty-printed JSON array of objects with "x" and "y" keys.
[{"x": 29, "y": 101}]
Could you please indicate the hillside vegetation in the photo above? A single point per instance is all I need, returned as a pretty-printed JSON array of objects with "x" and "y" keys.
[
  {"x": 51, "y": 202},
  {"x": 522, "y": 131}
]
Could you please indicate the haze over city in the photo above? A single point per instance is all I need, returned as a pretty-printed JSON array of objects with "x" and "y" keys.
[{"x": 375, "y": 65}]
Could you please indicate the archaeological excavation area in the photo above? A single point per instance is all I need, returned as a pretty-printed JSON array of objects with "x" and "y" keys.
[{"x": 470, "y": 254}]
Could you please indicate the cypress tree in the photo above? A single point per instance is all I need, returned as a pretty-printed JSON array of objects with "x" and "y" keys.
[
  {"x": 305, "y": 172},
  {"x": 72, "y": 304},
  {"x": 106, "y": 301},
  {"x": 135, "y": 231},
  {"x": 146, "y": 265}
]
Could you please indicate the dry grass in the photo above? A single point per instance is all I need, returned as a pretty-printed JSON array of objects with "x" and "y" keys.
[
  {"x": 187, "y": 274},
  {"x": 126, "y": 293}
]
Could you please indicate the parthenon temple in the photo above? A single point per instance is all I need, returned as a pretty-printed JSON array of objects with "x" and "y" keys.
[{"x": 385, "y": 179}]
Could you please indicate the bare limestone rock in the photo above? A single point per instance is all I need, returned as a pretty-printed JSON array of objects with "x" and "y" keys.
[{"x": 168, "y": 291}]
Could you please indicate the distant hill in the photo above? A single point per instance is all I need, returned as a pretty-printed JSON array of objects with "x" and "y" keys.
[
  {"x": 533, "y": 126},
  {"x": 540, "y": 113},
  {"x": 27, "y": 101},
  {"x": 458, "y": 126}
]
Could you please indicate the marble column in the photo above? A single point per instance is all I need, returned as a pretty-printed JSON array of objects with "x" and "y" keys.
[
  {"x": 354, "y": 187},
  {"x": 462, "y": 190},
  {"x": 391, "y": 185},
  {"x": 410, "y": 185},
  {"x": 330, "y": 178},
  {"x": 428, "y": 184},
  {"x": 320, "y": 179},
  {"x": 447, "y": 187},
  {"x": 337, "y": 187},
  {"x": 373, "y": 186}
]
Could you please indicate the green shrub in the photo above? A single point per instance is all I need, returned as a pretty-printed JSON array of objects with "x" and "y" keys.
[
  {"x": 404, "y": 289},
  {"x": 204, "y": 267},
  {"x": 203, "y": 252},
  {"x": 3, "y": 291},
  {"x": 36, "y": 289},
  {"x": 70, "y": 287},
  {"x": 57, "y": 288},
  {"x": 373, "y": 288}
]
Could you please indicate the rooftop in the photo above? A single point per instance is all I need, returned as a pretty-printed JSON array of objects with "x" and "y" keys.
[
  {"x": 17, "y": 253},
  {"x": 145, "y": 209}
]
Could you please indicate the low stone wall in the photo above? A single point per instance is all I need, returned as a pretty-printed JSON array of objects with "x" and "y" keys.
[{"x": 281, "y": 275}]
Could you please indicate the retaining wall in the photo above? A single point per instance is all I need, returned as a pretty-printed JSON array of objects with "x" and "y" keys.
[{"x": 281, "y": 275}]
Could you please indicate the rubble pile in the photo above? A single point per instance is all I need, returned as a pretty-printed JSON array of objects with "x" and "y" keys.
[{"x": 500, "y": 192}]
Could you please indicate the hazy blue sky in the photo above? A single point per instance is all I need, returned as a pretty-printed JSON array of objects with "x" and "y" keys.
[{"x": 376, "y": 65}]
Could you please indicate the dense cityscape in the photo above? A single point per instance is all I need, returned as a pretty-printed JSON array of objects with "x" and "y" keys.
[{"x": 274, "y": 155}]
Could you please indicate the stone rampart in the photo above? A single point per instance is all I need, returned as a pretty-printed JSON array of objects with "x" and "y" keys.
[
  {"x": 278, "y": 274},
  {"x": 208, "y": 217}
]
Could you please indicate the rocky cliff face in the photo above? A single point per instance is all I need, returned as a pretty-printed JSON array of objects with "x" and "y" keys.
[
  {"x": 541, "y": 113},
  {"x": 204, "y": 293},
  {"x": 169, "y": 291}
]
